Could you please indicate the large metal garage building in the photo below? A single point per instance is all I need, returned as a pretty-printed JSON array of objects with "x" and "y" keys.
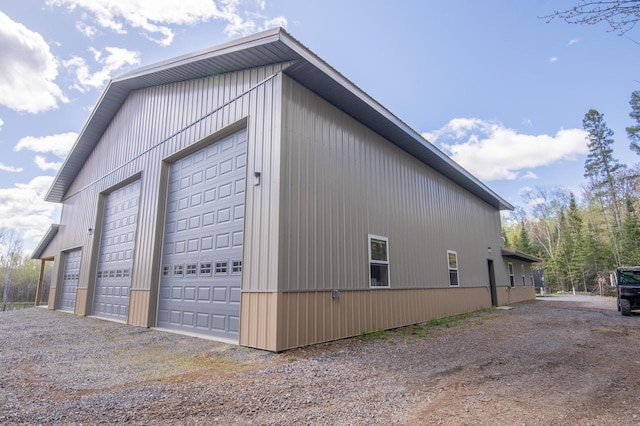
[{"x": 251, "y": 193}]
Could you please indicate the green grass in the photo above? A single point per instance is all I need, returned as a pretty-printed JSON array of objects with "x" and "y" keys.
[
  {"x": 375, "y": 335},
  {"x": 457, "y": 320},
  {"x": 422, "y": 329}
]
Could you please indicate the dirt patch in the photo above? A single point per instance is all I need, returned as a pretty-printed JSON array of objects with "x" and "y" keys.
[{"x": 562, "y": 360}]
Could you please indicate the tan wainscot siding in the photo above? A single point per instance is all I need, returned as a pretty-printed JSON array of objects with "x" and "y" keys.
[
  {"x": 340, "y": 182},
  {"x": 124, "y": 154}
]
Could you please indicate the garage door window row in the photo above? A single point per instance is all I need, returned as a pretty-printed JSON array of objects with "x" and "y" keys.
[
  {"x": 203, "y": 269},
  {"x": 114, "y": 273}
]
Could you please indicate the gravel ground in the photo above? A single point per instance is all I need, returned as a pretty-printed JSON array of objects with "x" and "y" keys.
[{"x": 563, "y": 360}]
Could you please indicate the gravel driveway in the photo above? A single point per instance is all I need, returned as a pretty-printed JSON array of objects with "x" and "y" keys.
[{"x": 570, "y": 360}]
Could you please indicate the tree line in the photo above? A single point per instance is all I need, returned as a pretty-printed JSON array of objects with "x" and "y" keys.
[
  {"x": 583, "y": 237},
  {"x": 18, "y": 273}
]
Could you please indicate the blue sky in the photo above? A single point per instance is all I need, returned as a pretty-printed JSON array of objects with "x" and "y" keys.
[{"x": 492, "y": 85}]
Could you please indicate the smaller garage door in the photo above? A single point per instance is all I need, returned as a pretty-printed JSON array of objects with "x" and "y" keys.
[
  {"x": 70, "y": 280},
  {"x": 115, "y": 263}
]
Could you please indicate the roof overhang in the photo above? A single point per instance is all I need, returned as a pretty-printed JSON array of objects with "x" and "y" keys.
[
  {"x": 514, "y": 254},
  {"x": 44, "y": 243},
  {"x": 269, "y": 47}
]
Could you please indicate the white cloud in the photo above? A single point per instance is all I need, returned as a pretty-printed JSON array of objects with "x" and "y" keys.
[
  {"x": 1, "y": 123},
  {"x": 115, "y": 59},
  {"x": 155, "y": 18},
  {"x": 491, "y": 151},
  {"x": 278, "y": 21},
  {"x": 88, "y": 30},
  {"x": 10, "y": 168},
  {"x": 553, "y": 59},
  {"x": 573, "y": 41},
  {"x": 529, "y": 175},
  {"x": 23, "y": 208},
  {"x": 29, "y": 70},
  {"x": 59, "y": 144},
  {"x": 43, "y": 164}
]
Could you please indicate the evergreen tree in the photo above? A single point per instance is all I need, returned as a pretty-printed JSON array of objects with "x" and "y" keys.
[
  {"x": 572, "y": 243},
  {"x": 600, "y": 166},
  {"x": 505, "y": 239},
  {"x": 596, "y": 254},
  {"x": 630, "y": 255},
  {"x": 634, "y": 131},
  {"x": 523, "y": 244}
]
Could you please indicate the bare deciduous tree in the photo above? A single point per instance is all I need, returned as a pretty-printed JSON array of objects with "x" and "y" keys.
[
  {"x": 620, "y": 15},
  {"x": 10, "y": 255}
]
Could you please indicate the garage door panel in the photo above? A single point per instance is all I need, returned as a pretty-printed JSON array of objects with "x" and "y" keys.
[
  {"x": 235, "y": 295},
  {"x": 234, "y": 325},
  {"x": 113, "y": 279},
  {"x": 203, "y": 236}
]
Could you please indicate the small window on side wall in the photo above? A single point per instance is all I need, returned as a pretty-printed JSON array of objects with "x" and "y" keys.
[
  {"x": 524, "y": 278},
  {"x": 378, "y": 262},
  {"x": 512, "y": 279},
  {"x": 452, "y": 257}
]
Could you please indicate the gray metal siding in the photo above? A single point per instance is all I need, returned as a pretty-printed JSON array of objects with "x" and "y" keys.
[
  {"x": 77, "y": 216},
  {"x": 150, "y": 116},
  {"x": 517, "y": 271},
  {"x": 341, "y": 182}
]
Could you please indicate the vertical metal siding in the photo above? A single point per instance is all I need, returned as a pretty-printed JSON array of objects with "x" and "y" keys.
[
  {"x": 341, "y": 182},
  {"x": 148, "y": 117}
]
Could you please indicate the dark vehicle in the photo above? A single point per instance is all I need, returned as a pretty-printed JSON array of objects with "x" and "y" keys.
[{"x": 628, "y": 280}]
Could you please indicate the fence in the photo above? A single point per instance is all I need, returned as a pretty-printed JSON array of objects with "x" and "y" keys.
[{"x": 10, "y": 306}]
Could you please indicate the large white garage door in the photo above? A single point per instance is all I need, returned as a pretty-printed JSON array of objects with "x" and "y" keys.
[
  {"x": 113, "y": 280},
  {"x": 70, "y": 281},
  {"x": 202, "y": 256}
]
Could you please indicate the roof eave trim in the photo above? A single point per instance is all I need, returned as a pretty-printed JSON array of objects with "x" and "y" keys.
[
  {"x": 46, "y": 240},
  {"x": 56, "y": 185},
  {"x": 243, "y": 43}
]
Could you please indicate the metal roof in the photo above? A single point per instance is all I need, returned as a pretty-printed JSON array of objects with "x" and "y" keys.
[
  {"x": 514, "y": 254},
  {"x": 42, "y": 246},
  {"x": 268, "y": 47}
]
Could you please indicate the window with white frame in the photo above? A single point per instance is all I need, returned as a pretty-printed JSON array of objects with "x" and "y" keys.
[
  {"x": 378, "y": 261},
  {"x": 512, "y": 279},
  {"x": 524, "y": 279},
  {"x": 452, "y": 258}
]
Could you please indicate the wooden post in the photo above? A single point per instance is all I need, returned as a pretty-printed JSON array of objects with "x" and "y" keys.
[{"x": 40, "y": 279}]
